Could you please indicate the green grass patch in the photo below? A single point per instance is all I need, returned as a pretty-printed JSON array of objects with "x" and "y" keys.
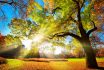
[{"x": 14, "y": 63}]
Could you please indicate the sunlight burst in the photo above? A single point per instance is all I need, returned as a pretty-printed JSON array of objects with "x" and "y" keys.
[
  {"x": 27, "y": 43},
  {"x": 38, "y": 38},
  {"x": 58, "y": 50}
]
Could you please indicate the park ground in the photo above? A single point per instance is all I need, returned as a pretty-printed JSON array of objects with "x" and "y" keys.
[{"x": 71, "y": 64}]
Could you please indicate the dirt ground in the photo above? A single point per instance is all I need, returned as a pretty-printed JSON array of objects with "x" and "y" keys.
[{"x": 71, "y": 64}]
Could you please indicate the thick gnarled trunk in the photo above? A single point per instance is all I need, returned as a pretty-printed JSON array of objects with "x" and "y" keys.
[{"x": 90, "y": 55}]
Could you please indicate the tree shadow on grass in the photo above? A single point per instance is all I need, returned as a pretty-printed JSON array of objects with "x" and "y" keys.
[
  {"x": 12, "y": 53},
  {"x": 98, "y": 68}
]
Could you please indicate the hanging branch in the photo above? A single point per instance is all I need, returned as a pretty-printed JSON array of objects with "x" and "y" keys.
[
  {"x": 10, "y": 3},
  {"x": 83, "y": 3},
  {"x": 63, "y": 34}
]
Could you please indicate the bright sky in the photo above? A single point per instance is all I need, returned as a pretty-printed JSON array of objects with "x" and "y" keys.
[
  {"x": 9, "y": 13},
  {"x": 8, "y": 10}
]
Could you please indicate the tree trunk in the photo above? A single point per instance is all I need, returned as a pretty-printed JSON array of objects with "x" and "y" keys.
[{"x": 90, "y": 55}]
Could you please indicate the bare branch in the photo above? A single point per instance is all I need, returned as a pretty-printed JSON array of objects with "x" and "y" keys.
[
  {"x": 77, "y": 2},
  {"x": 10, "y": 3},
  {"x": 90, "y": 31},
  {"x": 83, "y": 3},
  {"x": 63, "y": 34},
  {"x": 2, "y": 11}
]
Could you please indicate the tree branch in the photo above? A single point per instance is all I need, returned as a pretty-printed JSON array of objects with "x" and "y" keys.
[
  {"x": 78, "y": 2},
  {"x": 7, "y": 2},
  {"x": 63, "y": 34},
  {"x": 80, "y": 26},
  {"x": 71, "y": 18},
  {"x": 75, "y": 1},
  {"x": 83, "y": 3},
  {"x": 90, "y": 31}
]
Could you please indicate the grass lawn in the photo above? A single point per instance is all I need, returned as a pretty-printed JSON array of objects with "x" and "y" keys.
[{"x": 71, "y": 64}]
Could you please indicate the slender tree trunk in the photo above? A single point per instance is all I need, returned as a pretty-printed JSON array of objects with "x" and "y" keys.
[{"x": 90, "y": 55}]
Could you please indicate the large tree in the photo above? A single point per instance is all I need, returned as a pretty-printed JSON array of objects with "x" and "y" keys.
[
  {"x": 61, "y": 18},
  {"x": 71, "y": 18},
  {"x": 79, "y": 13}
]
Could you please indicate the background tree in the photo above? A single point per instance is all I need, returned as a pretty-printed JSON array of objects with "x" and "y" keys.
[
  {"x": 11, "y": 41},
  {"x": 2, "y": 41},
  {"x": 98, "y": 12},
  {"x": 24, "y": 30}
]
